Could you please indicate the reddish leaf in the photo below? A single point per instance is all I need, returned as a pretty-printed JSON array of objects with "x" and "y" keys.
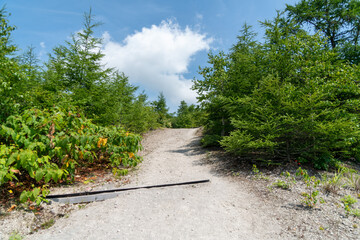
[
  {"x": 11, "y": 208},
  {"x": 15, "y": 170}
]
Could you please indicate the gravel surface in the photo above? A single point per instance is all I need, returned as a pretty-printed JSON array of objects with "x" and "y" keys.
[
  {"x": 220, "y": 209},
  {"x": 235, "y": 204}
]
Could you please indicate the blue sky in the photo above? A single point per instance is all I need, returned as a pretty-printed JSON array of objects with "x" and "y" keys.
[{"x": 159, "y": 44}]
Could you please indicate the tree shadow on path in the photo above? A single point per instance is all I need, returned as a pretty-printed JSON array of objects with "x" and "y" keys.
[
  {"x": 221, "y": 163},
  {"x": 191, "y": 149}
]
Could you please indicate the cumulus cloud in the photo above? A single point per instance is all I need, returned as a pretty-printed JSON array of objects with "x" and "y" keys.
[{"x": 157, "y": 58}]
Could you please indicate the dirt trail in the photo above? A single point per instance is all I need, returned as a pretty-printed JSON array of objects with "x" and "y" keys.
[{"x": 221, "y": 209}]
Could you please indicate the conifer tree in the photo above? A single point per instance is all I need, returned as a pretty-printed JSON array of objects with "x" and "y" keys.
[
  {"x": 11, "y": 76},
  {"x": 162, "y": 111}
]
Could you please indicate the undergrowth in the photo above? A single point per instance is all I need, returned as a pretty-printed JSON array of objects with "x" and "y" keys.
[
  {"x": 42, "y": 147},
  {"x": 317, "y": 184}
]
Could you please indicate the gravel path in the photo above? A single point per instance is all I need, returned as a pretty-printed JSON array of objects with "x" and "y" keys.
[{"x": 220, "y": 209}]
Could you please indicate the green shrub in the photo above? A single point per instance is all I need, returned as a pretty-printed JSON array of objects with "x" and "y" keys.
[
  {"x": 44, "y": 146},
  {"x": 210, "y": 141}
]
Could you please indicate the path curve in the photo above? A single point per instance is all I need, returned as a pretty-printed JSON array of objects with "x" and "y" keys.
[{"x": 221, "y": 209}]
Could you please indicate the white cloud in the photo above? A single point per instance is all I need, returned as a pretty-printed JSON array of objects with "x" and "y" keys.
[
  {"x": 157, "y": 58},
  {"x": 199, "y": 16}
]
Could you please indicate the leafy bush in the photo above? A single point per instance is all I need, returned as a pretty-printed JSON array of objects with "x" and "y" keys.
[{"x": 41, "y": 146}]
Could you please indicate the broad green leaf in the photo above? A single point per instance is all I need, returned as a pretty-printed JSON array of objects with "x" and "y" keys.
[
  {"x": 39, "y": 175},
  {"x": 24, "y": 196}
]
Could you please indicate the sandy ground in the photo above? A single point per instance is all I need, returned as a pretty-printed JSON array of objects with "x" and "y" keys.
[{"x": 220, "y": 209}]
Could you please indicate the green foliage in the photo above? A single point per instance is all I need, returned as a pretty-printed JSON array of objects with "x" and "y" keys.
[
  {"x": 73, "y": 77},
  {"x": 76, "y": 74},
  {"x": 332, "y": 183},
  {"x": 36, "y": 195},
  {"x": 140, "y": 116},
  {"x": 281, "y": 184},
  {"x": 257, "y": 174},
  {"x": 76, "y": 66},
  {"x": 162, "y": 111},
  {"x": 209, "y": 89},
  {"x": 310, "y": 198},
  {"x": 48, "y": 224},
  {"x": 120, "y": 172},
  {"x": 31, "y": 64},
  {"x": 43, "y": 139},
  {"x": 188, "y": 116},
  {"x": 111, "y": 101},
  {"x": 11, "y": 76},
  {"x": 348, "y": 202},
  {"x": 286, "y": 183},
  {"x": 41, "y": 146},
  {"x": 75, "y": 69},
  {"x": 284, "y": 99},
  {"x": 210, "y": 140},
  {"x": 15, "y": 236},
  {"x": 352, "y": 179},
  {"x": 338, "y": 20}
]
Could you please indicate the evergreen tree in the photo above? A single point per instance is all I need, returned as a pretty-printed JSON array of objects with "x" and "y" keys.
[
  {"x": 140, "y": 116},
  {"x": 337, "y": 20},
  {"x": 33, "y": 87},
  {"x": 228, "y": 75},
  {"x": 75, "y": 68},
  {"x": 30, "y": 63},
  {"x": 162, "y": 111},
  {"x": 11, "y": 76},
  {"x": 210, "y": 90},
  {"x": 294, "y": 98},
  {"x": 187, "y": 116}
]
